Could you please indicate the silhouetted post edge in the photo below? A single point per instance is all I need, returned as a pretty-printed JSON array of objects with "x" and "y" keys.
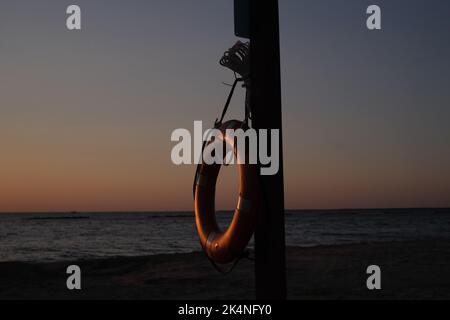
[{"x": 270, "y": 259}]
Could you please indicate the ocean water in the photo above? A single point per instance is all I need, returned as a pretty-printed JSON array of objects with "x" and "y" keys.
[{"x": 70, "y": 236}]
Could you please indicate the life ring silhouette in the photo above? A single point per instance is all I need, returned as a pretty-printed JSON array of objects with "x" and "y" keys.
[{"x": 226, "y": 246}]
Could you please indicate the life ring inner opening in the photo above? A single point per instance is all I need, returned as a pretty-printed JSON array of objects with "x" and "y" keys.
[
  {"x": 227, "y": 187},
  {"x": 227, "y": 190}
]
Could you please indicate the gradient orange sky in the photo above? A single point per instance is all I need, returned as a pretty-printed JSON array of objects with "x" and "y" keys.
[{"x": 86, "y": 117}]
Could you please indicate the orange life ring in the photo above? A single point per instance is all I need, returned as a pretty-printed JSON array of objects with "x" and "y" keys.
[{"x": 226, "y": 246}]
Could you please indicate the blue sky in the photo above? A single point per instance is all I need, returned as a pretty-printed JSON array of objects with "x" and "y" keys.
[{"x": 86, "y": 116}]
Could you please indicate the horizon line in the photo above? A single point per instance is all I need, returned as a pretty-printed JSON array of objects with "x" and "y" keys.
[{"x": 221, "y": 210}]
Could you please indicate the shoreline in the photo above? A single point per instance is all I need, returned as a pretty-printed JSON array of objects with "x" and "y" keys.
[{"x": 410, "y": 270}]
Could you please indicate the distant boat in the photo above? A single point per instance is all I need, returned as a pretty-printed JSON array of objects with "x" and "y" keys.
[
  {"x": 59, "y": 218},
  {"x": 73, "y": 215}
]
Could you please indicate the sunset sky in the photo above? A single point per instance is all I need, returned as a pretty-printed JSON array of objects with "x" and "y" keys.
[{"x": 86, "y": 117}]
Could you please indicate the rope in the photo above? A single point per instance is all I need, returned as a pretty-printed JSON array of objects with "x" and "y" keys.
[
  {"x": 218, "y": 122},
  {"x": 225, "y": 271}
]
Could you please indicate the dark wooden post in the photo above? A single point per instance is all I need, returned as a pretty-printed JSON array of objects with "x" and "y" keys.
[{"x": 270, "y": 263}]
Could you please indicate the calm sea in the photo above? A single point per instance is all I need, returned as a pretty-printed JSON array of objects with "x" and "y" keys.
[{"x": 68, "y": 236}]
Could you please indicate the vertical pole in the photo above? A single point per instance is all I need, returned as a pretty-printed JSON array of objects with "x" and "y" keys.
[{"x": 270, "y": 264}]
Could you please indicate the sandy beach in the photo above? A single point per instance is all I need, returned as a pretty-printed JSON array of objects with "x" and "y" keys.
[{"x": 410, "y": 270}]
